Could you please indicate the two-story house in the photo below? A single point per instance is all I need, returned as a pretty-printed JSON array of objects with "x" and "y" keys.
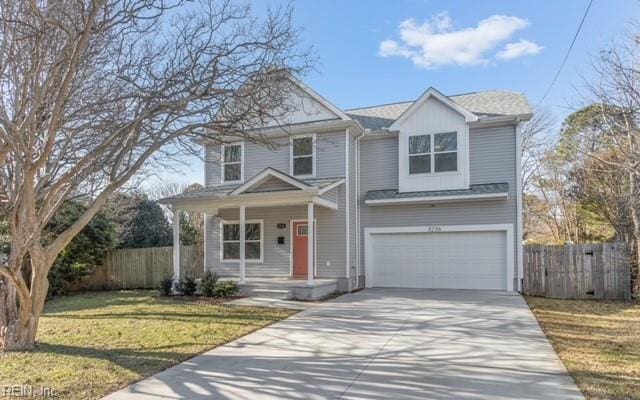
[{"x": 418, "y": 194}]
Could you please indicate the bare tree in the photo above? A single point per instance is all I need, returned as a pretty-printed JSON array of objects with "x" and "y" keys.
[
  {"x": 615, "y": 146},
  {"x": 537, "y": 139},
  {"x": 91, "y": 91}
]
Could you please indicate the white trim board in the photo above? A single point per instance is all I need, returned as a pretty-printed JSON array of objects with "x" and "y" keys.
[
  {"x": 438, "y": 199},
  {"x": 331, "y": 186},
  {"x": 507, "y": 228}
]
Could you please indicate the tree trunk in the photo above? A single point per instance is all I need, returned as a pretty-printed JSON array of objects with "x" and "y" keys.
[
  {"x": 19, "y": 324},
  {"x": 634, "y": 207},
  {"x": 19, "y": 334}
]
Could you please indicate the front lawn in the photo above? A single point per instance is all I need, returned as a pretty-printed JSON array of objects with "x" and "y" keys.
[
  {"x": 598, "y": 341},
  {"x": 91, "y": 344}
]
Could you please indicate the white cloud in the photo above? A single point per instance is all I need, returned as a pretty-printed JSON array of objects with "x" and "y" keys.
[
  {"x": 436, "y": 43},
  {"x": 519, "y": 49}
]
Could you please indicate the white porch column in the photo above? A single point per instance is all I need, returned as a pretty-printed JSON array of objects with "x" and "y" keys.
[
  {"x": 176, "y": 243},
  {"x": 242, "y": 246},
  {"x": 310, "y": 242}
]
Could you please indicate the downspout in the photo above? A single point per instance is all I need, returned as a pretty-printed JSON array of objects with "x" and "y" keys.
[
  {"x": 357, "y": 174},
  {"x": 519, "y": 234},
  {"x": 347, "y": 207}
]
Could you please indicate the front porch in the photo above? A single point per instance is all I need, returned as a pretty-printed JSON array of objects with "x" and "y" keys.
[{"x": 270, "y": 230}]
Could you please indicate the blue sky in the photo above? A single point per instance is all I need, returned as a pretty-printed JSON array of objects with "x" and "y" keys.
[{"x": 347, "y": 35}]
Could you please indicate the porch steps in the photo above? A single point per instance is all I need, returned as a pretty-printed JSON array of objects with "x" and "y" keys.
[
  {"x": 287, "y": 289},
  {"x": 270, "y": 293}
]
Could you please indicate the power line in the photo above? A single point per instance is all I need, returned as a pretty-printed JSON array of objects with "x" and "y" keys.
[{"x": 566, "y": 56}]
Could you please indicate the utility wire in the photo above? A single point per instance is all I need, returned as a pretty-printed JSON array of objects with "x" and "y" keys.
[{"x": 566, "y": 56}]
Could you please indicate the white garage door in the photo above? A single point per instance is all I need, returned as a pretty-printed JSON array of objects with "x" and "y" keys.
[{"x": 451, "y": 260}]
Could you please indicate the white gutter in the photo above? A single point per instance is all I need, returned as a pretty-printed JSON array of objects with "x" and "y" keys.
[{"x": 501, "y": 119}]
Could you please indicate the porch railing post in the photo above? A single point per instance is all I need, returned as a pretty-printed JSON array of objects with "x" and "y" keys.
[
  {"x": 242, "y": 246},
  {"x": 310, "y": 243},
  {"x": 176, "y": 243}
]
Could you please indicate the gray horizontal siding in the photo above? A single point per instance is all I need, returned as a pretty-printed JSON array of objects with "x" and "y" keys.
[
  {"x": 492, "y": 159},
  {"x": 329, "y": 157},
  {"x": 276, "y": 261}
]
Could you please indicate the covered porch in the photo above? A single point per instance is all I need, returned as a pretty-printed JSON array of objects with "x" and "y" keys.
[{"x": 264, "y": 232}]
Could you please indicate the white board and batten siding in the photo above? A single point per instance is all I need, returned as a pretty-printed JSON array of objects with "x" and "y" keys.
[{"x": 433, "y": 117}]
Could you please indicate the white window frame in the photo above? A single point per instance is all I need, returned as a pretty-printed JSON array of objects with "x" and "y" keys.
[
  {"x": 313, "y": 155},
  {"x": 223, "y": 163},
  {"x": 237, "y": 222},
  {"x": 432, "y": 154}
]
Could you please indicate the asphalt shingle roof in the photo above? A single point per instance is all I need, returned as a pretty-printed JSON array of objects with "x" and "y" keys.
[
  {"x": 483, "y": 104},
  {"x": 484, "y": 188}
]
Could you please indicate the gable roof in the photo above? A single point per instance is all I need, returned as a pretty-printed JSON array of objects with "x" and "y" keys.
[
  {"x": 317, "y": 97},
  {"x": 428, "y": 94},
  {"x": 266, "y": 174},
  {"x": 483, "y": 104}
]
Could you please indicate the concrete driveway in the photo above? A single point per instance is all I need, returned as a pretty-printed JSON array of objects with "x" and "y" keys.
[{"x": 380, "y": 344}]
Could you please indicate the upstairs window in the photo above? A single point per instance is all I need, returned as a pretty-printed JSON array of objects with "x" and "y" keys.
[
  {"x": 232, "y": 163},
  {"x": 445, "y": 150},
  {"x": 302, "y": 154},
  {"x": 420, "y": 154},
  {"x": 437, "y": 153}
]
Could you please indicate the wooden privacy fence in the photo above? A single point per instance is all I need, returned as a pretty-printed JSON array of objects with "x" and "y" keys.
[
  {"x": 141, "y": 268},
  {"x": 586, "y": 271}
]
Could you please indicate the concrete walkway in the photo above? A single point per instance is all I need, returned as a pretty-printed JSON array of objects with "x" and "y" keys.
[
  {"x": 272, "y": 303},
  {"x": 380, "y": 344}
]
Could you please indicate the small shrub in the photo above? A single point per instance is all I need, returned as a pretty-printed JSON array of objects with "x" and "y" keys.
[
  {"x": 187, "y": 285},
  {"x": 208, "y": 284},
  {"x": 226, "y": 289},
  {"x": 64, "y": 274},
  {"x": 166, "y": 286}
]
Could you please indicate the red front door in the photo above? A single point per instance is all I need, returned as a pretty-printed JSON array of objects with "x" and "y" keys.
[{"x": 300, "y": 249}]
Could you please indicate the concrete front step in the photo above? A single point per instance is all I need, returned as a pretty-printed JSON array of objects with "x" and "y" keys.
[
  {"x": 269, "y": 293},
  {"x": 288, "y": 288}
]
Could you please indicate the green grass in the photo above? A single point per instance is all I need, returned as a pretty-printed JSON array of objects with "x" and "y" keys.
[
  {"x": 598, "y": 341},
  {"x": 92, "y": 344}
]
